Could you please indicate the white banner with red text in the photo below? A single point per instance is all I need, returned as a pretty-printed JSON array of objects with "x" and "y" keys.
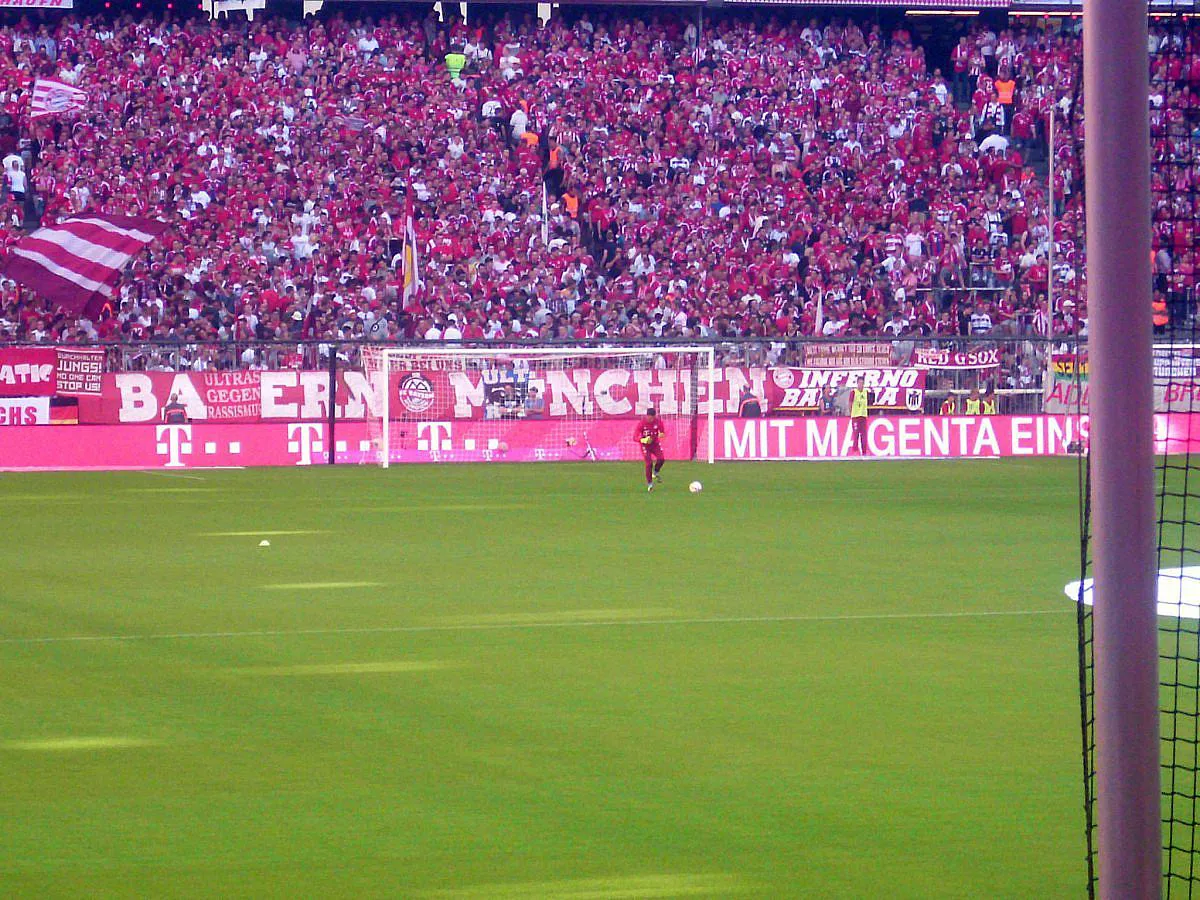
[
  {"x": 300, "y": 443},
  {"x": 938, "y": 358},
  {"x": 24, "y": 411}
]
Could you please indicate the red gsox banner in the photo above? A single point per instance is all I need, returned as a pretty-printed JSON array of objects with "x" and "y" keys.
[
  {"x": 934, "y": 358},
  {"x": 794, "y": 391}
]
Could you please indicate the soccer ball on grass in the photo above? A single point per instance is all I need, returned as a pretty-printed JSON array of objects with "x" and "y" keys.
[{"x": 695, "y": 487}]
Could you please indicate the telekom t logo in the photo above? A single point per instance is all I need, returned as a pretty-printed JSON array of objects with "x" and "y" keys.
[
  {"x": 174, "y": 442},
  {"x": 434, "y": 436},
  {"x": 305, "y": 438}
]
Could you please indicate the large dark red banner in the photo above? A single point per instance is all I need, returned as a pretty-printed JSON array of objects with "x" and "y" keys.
[
  {"x": 132, "y": 397},
  {"x": 27, "y": 371}
]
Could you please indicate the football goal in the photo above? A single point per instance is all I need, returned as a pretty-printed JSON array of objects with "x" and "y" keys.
[{"x": 554, "y": 404}]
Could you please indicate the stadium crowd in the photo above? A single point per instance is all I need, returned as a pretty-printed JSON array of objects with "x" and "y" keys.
[{"x": 762, "y": 178}]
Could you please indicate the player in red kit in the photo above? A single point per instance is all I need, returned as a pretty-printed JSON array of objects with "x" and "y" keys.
[{"x": 649, "y": 433}]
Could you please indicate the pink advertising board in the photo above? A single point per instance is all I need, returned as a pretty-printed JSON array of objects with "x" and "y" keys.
[{"x": 199, "y": 445}]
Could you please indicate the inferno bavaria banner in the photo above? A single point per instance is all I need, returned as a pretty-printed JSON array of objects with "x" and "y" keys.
[{"x": 795, "y": 391}]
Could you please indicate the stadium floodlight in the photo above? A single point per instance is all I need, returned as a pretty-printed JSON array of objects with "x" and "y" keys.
[{"x": 555, "y": 404}]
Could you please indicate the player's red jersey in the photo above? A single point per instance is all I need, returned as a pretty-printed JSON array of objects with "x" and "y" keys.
[{"x": 649, "y": 428}]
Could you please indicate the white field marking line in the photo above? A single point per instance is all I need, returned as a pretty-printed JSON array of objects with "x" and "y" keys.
[
  {"x": 79, "y": 743},
  {"x": 258, "y": 533},
  {"x": 173, "y": 475},
  {"x": 170, "y": 490},
  {"x": 566, "y": 615},
  {"x": 362, "y": 668},
  {"x": 440, "y": 507},
  {"x": 523, "y": 626},
  {"x": 43, "y": 498},
  {"x": 321, "y": 585},
  {"x": 635, "y": 887}
]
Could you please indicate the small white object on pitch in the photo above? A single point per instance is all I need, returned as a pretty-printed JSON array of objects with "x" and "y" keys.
[
  {"x": 695, "y": 487},
  {"x": 264, "y": 543},
  {"x": 1178, "y": 592}
]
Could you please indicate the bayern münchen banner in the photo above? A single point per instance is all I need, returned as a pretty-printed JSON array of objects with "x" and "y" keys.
[
  {"x": 76, "y": 262},
  {"x": 248, "y": 396},
  {"x": 491, "y": 393}
]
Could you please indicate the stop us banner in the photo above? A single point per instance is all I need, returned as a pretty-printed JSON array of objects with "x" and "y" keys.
[
  {"x": 79, "y": 371},
  {"x": 795, "y": 391}
]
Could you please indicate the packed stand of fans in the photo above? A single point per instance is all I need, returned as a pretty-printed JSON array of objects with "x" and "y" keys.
[
  {"x": 1015, "y": 79},
  {"x": 767, "y": 178}
]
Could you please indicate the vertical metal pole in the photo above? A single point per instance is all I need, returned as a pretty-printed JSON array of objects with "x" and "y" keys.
[
  {"x": 1116, "y": 83},
  {"x": 332, "y": 411},
  {"x": 1050, "y": 248},
  {"x": 1049, "y": 348}
]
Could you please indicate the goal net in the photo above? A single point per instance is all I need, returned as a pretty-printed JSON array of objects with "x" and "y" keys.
[{"x": 459, "y": 404}]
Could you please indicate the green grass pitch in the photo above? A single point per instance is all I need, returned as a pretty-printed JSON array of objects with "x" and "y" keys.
[{"x": 827, "y": 680}]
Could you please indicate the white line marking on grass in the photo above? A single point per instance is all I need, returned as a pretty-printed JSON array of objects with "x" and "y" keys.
[
  {"x": 169, "y": 490},
  {"x": 616, "y": 623},
  {"x": 78, "y": 743},
  {"x": 41, "y": 498},
  {"x": 363, "y": 668},
  {"x": 546, "y": 617},
  {"x": 634, "y": 887},
  {"x": 442, "y": 507},
  {"x": 321, "y": 585},
  {"x": 173, "y": 475},
  {"x": 257, "y": 533}
]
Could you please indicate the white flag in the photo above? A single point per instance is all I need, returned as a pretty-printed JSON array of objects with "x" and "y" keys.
[{"x": 52, "y": 97}]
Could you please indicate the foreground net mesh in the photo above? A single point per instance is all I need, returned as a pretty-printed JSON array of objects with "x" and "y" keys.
[
  {"x": 1175, "y": 177},
  {"x": 1175, "y": 167}
]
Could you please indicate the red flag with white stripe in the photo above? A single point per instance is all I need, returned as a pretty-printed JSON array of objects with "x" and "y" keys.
[
  {"x": 52, "y": 97},
  {"x": 77, "y": 262}
]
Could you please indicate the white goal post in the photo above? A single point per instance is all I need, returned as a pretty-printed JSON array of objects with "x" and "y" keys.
[{"x": 525, "y": 404}]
